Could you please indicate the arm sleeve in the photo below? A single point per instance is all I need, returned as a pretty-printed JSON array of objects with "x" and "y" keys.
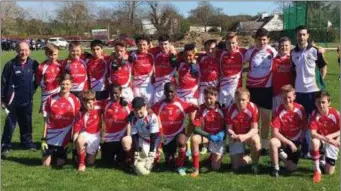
[
  {"x": 313, "y": 125},
  {"x": 247, "y": 55},
  {"x": 321, "y": 61},
  {"x": 46, "y": 109},
  {"x": 77, "y": 106},
  {"x": 153, "y": 138},
  {"x": 255, "y": 115},
  {"x": 39, "y": 75},
  {"x": 35, "y": 69},
  {"x": 199, "y": 131},
  {"x": 154, "y": 124},
  {"x": 6, "y": 72}
]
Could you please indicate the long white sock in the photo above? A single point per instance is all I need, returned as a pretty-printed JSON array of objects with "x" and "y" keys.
[{"x": 317, "y": 166}]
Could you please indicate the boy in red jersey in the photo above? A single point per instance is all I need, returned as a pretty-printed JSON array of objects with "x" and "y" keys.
[
  {"x": 288, "y": 127},
  {"x": 61, "y": 110},
  {"x": 242, "y": 125},
  {"x": 143, "y": 68},
  {"x": 172, "y": 112},
  {"x": 47, "y": 74},
  {"x": 209, "y": 128},
  {"x": 97, "y": 68},
  {"x": 75, "y": 64},
  {"x": 209, "y": 69},
  {"x": 117, "y": 132},
  {"x": 120, "y": 69},
  {"x": 188, "y": 76},
  {"x": 87, "y": 128},
  {"x": 325, "y": 135},
  {"x": 231, "y": 67},
  {"x": 282, "y": 71}
]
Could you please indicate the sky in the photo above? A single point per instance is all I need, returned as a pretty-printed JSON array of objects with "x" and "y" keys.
[{"x": 230, "y": 8}]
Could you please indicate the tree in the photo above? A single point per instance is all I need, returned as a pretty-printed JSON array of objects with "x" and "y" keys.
[
  {"x": 204, "y": 14},
  {"x": 8, "y": 11}
]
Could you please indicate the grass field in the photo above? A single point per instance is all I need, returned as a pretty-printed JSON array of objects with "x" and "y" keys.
[{"x": 22, "y": 170}]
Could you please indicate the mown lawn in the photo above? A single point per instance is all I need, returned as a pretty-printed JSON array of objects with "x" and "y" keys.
[{"x": 22, "y": 170}]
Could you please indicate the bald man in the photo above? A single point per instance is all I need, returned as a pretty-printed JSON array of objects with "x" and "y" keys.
[{"x": 17, "y": 89}]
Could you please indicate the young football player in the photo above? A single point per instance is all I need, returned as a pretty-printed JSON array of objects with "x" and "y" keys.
[
  {"x": 143, "y": 68},
  {"x": 120, "y": 69},
  {"x": 87, "y": 129},
  {"x": 231, "y": 66},
  {"x": 117, "y": 132},
  {"x": 75, "y": 64},
  {"x": 242, "y": 126},
  {"x": 282, "y": 71},
  {"x": 47, "y": 74},
  {"x": 172, "y": 112},
  {"x": 97, "y": 68},
  {"x": 325, "y": 136},
  {"x": 61, "y": 110},
  {"x": 259, "y": 80},
  {"x": 209, "y": 128},
  {"x": 288, "y": 127}
]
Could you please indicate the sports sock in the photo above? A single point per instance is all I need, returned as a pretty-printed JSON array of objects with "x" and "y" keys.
[
  {"x": 181, "y": 157},
  {"x": 196, "y": 160},
  {"x": 315, "y": 155},
  {"x": 276, "y": 167},
  {"x": 81, "y": 157}
]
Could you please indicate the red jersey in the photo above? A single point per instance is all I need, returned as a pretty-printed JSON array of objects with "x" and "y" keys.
[
  {"x": 143, "y": 68},
  {"x": 164, "y": 71},
  {"x": 209, "y": 71},
  {"x": 210, "y": 120},
  {"x": 61, "y": 111},
  {"x": 115, "y": 119},
  {"x": 172, "y": 115},
  {"x": 186, "y": 79},
  {"x": 97, "y": 73},
  {"x": 282, "y": 73},
  {"x": 325, "y": 124},
  {"x": 241, "y": 120},
  {"x": 89, "y": 121},
  {"x": 231, "y": 66},
  {"x": 47, "y": 77},
  {"x": 122, "y": 75},
  {"x": 78, "y": 71},
  {"x": 290, "y": 122}
]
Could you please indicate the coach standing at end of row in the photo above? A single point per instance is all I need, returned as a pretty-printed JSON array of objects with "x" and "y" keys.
[
  {"x": 311, "y": 69},
  {"x": 17, "y": 89}
]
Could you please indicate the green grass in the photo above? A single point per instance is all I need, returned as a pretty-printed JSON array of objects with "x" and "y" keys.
[{"x": 22, "y": 170}]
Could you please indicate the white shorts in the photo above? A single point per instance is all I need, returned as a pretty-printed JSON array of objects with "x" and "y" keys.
[
  {"x": 127, "y": 94},
  {"x": 146, "y": 145},
  {"x": 146, "y": 92},
  {"x": 330, "y": 151},
  {"x": 92, "y": 142},
  {"x": 276, "y": 102},
  {"x": 226, "y": 95},
  {"x": 217, "y": 148},
  {"x": 158, "y": 93},
  {"x": 236, "y": 148}
]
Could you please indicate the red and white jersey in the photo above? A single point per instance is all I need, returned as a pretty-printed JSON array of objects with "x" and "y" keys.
[
  {"x": 97, "y": 73},
  {"x": 77, "y": 69},
  {"x": 209, "y": 71},
  {"x": 260, "y": 66},
  {"x": 164, "y": 71},
  {"x": 90, "y": 121},
  {"x": 186, "y": 79},
  {"x": 172, "y": 116},
  {"x": 210, "y": 120},
  {"x": 115, "y": 119},
  {"x": 122, "y": 75},
  {"x": 60, "y": 114},
  {"x": 145, "y": 126},
  {"x": 231, "y": 66},
  {"x": 325, "y": 124},
  {"x": 241, "y": 120},
  {"x": 47, "y": 77},
  {"x": 282, "y": 73},
  {"x": 290, "y": 122},
  {"x": 143, "y": 68}
]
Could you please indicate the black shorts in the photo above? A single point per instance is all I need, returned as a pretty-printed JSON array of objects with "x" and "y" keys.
[
  {"x": 111, "y": 149},
  {"x": 56, "y": 152},
  {"x": 307, "y": 100},
  {"x": 293, "y": 156},
  {"x": 170, "y": 148},
  {"x": 103, "y": 95},
  {"x": 262, "y": 97}
]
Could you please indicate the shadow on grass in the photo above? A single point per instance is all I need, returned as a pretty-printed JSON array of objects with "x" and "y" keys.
[
  {"x": 18, "y": 146},
  {"x": 24, "y": 160}
]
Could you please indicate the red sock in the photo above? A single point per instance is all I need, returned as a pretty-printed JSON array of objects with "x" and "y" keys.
[
  {"x": 315, "y": 155},
  {"x": 195, "y": 157},
  {"x": 81, "y": 158},
  {"x": 181, "y": 157}
]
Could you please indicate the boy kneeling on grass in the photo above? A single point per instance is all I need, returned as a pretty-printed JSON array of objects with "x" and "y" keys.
[
  {"x": 242, "y": 126},
  {"x": 288, "y": 126},
  {"x": 325, "y": 133}
]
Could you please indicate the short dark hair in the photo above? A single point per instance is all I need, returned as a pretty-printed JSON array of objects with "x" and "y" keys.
[
  {"x": 301, "y": 27},
  {"x": 209, "y": 42},
  {"x": 164, "y": 37},
  {"x": 323, "y": 93},
  {"x": 74, "y": 44},
  {"x": 284, "y": 39},
  {"x": 262, "y": 32},
  {"x": 168, "y": 85},
  {"x": 96, "y": 42},
  {"x": 142, "y": 37},
  {"x": 221, "y": 45},
  {"x": 211, "y": 90},
  {"x": 65, "y": 76},
  {"x": 189, "y": 47},
  {"x": 120, "y": 43}
]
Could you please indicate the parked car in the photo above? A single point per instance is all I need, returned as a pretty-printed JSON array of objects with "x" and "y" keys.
[{"x": 58, "y": 41}]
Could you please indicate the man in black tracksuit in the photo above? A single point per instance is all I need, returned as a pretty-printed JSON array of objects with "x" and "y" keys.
[{"x": 17, "y": 89}]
